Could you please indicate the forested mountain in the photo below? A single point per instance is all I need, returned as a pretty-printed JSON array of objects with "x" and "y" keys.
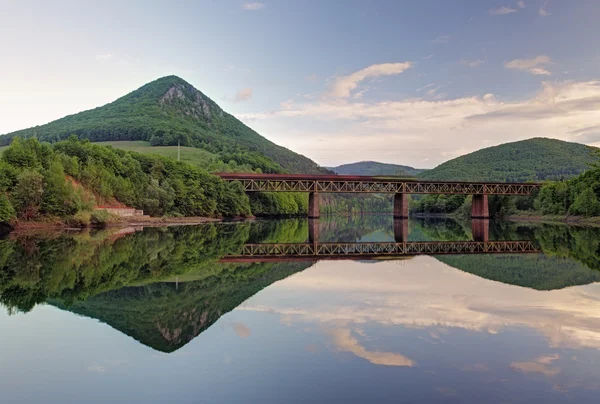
[
  {"x": 375, "y": 168},
  {"x": 167, "y": 111},
  {"x": 536, "y": 159}
]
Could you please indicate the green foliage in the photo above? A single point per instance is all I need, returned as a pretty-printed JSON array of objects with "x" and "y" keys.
[
  {"x": 81, "y": 219},
  {"x": 165, "y": 112},
  {"x": 7, "y": 212},
  {"x": 586, "y": 204},
  {"x": 27, "y": 194},
  {"x": 46, "y": 184},
  {"x": 537, "y": 159},
  {"x": 578, "y": 196},
  {"x": 100, "y": 217}
]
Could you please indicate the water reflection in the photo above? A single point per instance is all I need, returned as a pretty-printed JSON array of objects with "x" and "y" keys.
[{"x": 459, "y": 323}]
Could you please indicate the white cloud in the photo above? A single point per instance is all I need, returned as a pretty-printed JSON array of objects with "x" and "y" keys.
[
  {"x": 343, "y": 86},
  {"x": 503, "y": 10},
  {"x": 543, "y": 11},
  {"x": 243, "y": 95},
  {"x": 408, "y": 130},
  {"x": 533, "y": 65},
  {"x": 104, "y": 56},
  {"x": 441, "y": 39},
  {"x": 253, "y": 6},
  {"x": 521, "y": 4}
]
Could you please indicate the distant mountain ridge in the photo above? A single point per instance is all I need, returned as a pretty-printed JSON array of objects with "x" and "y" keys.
[
  {"x": 167, "y": 111},
  {"x": 375, "y": 168},
  {"x": 536, "y": 159}
]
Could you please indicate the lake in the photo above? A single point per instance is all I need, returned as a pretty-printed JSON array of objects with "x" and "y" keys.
[{"x": 191, "y": 314}]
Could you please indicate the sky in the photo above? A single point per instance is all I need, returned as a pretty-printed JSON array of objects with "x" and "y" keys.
[{"x": 407, "y": 82}]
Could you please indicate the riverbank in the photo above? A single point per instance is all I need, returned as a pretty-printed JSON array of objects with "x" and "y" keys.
[
  {"x": 572, "y": 220},
  {"x": 115, "y": 221}
]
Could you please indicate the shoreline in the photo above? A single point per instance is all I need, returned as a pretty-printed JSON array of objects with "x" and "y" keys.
[{"x": 133, "y": 221}]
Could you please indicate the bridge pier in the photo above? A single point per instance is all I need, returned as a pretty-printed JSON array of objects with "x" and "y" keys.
[
  {"x": 401, "y": 230},
  {"x": 400, "y": 206},
  {"x": 313, "y": 231},
  {"x": 479, "y": 208},
  {"x": 481, "y": 230},
  {"x": 313, "y": 205}
]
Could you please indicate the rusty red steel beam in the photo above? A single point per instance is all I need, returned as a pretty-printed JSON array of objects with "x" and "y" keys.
[
  {"x": 376, "y": 250},
  {"x": 369, "y": 184}
]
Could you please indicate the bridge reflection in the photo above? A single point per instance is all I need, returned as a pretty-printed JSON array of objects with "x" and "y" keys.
[{"x": 314, "y": 250}]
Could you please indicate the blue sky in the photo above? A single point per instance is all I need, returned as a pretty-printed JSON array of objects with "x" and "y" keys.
[{"x": 408, "y": 82}]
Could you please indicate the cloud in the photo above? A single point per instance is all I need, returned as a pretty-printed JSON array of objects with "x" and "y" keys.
[
  {"x": 253, "y": 6},
  {"x": 472, "y": 63},
  {"x": 441, "y": 39},
  {"x": 346, "y": 342},
  {"x": 342, "y": 86},
  {"x": 104, "y": 56},
  {"x": 533, "y": 65},
  {"x": 243, "y": 95},
  {"x": 504, "y": 10},
  {"x": 521, "y": 4},
  {"x": 542, "y": 365},
  {"x": 543, "y": 11},
  {"x": 406, "y": 131}
]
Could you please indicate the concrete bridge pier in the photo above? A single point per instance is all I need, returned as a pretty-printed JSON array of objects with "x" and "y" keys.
[
  {"x": 313, "y": 205},
  {"x": 479, "y": 208},
  {"x": 400, "y": 206},
  {"x": 480, "y": 229},
  {"x": 313, "y": 231},
  {"x": 401, "y": 230}
]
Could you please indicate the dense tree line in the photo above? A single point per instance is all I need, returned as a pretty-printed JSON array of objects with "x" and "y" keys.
[{"x": 71, "y": 177}]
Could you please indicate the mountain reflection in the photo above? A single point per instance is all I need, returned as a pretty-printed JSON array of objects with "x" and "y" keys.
[{"x": 165, "y": 286}]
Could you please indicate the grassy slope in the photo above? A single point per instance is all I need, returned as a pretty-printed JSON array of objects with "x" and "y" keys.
[
  {"x": 375, "y": 168},
  {"x": 191, "y": 155},
  {"x": 534, "y": 159}
]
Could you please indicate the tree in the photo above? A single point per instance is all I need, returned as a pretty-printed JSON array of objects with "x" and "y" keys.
[
  {"x": 586, "y": 204},
  {"x": 7, "y": 212},
  {"x": 27, "y": 194}
]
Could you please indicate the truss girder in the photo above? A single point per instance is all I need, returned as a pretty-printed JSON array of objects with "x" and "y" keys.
[
  {"x": 386, "y": 248},
  {"x": 410, "y": 187}
]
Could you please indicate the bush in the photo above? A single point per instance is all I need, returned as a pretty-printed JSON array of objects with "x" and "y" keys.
[
  {"x": 7, "y": 212},
  {"x": 80, "y": 219},
  {"x": 100, "y": 217}
]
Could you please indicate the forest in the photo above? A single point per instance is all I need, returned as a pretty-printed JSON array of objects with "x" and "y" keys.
[{"x": 68, "y": 179}]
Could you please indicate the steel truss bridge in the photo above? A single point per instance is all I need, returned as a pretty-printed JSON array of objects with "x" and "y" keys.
[
  {"x": 375, "y": 250},
  {"x": 364, "y": 184}
]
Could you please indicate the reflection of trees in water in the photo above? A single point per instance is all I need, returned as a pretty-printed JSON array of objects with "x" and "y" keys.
[
  {"x": 166, "y": 316},
  {"x": 124, "y": 279},
  {"x": 72, "y": 267}
]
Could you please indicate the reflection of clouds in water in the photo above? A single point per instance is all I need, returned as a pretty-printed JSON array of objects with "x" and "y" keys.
[
  {"x": 542, "y": 365},
  {"x": 427, "y": 293},
  {"x": 241, "y": 330},
  {"x": 346, "y": 342}
]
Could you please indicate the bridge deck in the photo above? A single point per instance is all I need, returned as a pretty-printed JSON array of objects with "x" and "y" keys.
[{"x": 368, "y": 184}]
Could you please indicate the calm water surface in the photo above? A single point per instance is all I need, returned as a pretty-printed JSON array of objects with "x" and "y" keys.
[{"x": 153, "y": 316}]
